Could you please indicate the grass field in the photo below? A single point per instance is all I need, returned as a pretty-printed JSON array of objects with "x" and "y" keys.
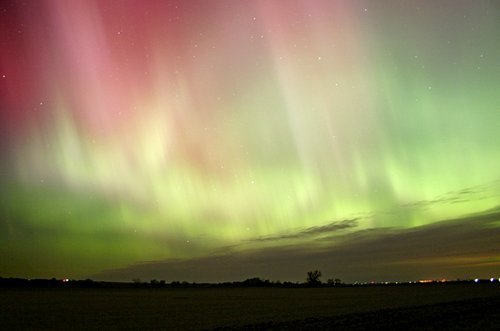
[{"x": 208, "y": 308}]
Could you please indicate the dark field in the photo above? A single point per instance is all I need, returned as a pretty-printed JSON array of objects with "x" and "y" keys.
[{"x": 440, "y": 306}]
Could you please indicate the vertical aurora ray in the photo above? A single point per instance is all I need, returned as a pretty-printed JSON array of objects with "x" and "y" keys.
[{"x": 137, "y": 130}]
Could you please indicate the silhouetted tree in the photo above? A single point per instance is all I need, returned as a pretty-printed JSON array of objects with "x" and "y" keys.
[
  {"x": 313, "y": 277},
  {"x": 255, "y": 281}
]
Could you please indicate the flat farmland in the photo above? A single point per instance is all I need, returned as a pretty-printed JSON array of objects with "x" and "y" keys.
[{"x": 251, "y": 308}]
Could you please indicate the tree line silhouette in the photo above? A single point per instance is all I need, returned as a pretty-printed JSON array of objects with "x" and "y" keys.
[{"x": 312, "y": 280}]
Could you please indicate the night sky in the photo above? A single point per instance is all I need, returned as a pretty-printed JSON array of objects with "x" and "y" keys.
[{"x": 221, "y": 140}]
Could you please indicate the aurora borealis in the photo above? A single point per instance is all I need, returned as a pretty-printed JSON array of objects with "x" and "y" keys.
[{"x": 177, "y": 133}]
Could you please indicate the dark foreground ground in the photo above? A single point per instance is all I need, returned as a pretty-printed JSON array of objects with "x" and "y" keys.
[
  {"x": 437, "y": 306},
  {"x": 472, "y": 314}
]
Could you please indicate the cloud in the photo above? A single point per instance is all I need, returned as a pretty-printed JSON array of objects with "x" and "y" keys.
[
  {"x": 459, "y": 248},
  {"x": 312, "y": 231},
  {"x": 472, "y": 193}
]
